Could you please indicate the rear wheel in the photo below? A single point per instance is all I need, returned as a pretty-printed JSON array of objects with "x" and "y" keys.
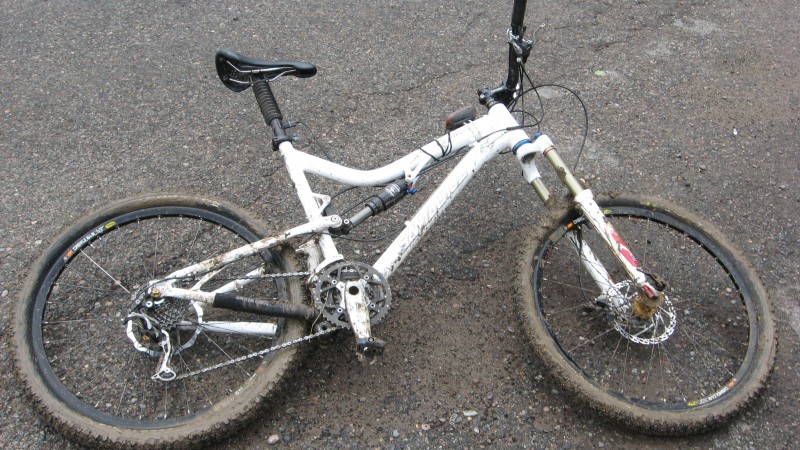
[
  {"x": 90, "y": 369},
  {"x": 692, "y": 364}
]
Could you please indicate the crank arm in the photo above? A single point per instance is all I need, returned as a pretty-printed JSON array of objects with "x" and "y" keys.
[{"x": 358, "y": 316}]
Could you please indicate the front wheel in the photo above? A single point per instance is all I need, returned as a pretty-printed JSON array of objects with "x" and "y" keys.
[
  {"x": 89, "y": 367},
  {"x": 693, "y": 364}
]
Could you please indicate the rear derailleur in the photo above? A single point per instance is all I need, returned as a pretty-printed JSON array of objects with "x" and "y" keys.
[{"x": 152, "y": 324}]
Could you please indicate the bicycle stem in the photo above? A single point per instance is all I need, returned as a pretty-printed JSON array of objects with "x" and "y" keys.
[{"x": 518, "y": 51}]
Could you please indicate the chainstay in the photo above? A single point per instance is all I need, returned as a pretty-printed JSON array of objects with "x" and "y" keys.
[
  {"x": 272, "y": 275},
  {"x": 257, "y": 354},
  {"x": 256, "y": 277}
]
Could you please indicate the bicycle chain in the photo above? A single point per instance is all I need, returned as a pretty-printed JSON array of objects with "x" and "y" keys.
[
  {"x": 266, "y": 350},
  {"x": 256, "y": 354}
]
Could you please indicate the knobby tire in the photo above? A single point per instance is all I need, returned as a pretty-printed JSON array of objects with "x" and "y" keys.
[
  {"x": 709, "y": 368},
  {"x": 82, "y": 370}
]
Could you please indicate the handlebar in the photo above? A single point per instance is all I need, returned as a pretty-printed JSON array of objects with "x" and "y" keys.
[
  {"x": 518, "y": 16},
  {"x": 518, "y": 49}
]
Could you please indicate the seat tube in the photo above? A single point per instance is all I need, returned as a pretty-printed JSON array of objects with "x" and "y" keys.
[{"x": 306, "y": 197}]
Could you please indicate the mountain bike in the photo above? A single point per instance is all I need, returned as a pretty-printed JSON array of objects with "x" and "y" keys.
[{"x": 167, "y": 320}]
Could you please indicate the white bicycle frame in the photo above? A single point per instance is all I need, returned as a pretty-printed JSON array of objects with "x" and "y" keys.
[{"x": 487, "y": 136}]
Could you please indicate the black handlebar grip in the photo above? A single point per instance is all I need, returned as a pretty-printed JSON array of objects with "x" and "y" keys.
[{"x": 266, "y": 101}]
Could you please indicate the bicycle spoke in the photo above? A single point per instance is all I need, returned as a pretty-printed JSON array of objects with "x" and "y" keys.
[
  {"x": 116, "y": 281},
  {"x": 686, "y": 350},
  {"x": 105, "y": 357}
]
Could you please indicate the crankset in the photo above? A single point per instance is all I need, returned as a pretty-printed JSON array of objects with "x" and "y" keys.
[{"x": 356, "y": 296}]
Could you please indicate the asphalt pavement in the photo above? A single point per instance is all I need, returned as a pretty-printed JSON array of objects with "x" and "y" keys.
[{"x": 695, "y": 101}]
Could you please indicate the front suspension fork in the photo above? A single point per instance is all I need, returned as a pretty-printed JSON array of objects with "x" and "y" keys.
[{"x": 591, "y": 211}]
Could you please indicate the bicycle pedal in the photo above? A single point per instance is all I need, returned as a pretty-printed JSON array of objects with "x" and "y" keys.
[{"x": 370, "y": 347}]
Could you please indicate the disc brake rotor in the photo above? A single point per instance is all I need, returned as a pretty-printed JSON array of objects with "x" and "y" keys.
[
  {"x": 658, "y": 328},
  {"x": 637, "y": 320}
]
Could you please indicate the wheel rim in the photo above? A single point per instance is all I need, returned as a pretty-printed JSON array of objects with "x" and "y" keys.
[
  {"x": 79, "y": 338},
  {"x": 714, "y": 340}
]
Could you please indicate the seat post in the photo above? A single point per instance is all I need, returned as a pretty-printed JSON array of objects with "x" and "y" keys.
[{"x": 271, "y": 111}]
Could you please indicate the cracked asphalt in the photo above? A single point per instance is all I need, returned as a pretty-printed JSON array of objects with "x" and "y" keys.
[{"x": 695, "y": 101}]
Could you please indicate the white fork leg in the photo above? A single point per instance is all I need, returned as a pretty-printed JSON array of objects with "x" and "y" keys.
[
  {"x": 597, "y": 271},
  {"x": 592, "y": 212}
]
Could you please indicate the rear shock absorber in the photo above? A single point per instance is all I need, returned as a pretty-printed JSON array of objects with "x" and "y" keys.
[{"x": 389, "y": 196}]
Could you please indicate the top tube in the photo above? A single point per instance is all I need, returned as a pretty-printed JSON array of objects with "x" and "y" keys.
[{"x": 470, "y": 133}]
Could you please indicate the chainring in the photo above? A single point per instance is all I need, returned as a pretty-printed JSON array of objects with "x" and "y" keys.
[{"x": 329, "y": 298}]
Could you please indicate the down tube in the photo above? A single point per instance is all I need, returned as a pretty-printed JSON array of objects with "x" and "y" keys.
[{"x": 435, "y": 205}]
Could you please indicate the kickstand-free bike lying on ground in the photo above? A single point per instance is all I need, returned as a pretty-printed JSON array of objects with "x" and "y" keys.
[{"x": 168, "y": 319}]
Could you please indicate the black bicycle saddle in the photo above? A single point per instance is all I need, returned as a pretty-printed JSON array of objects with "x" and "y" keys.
[{"x": 237, "y": 71}]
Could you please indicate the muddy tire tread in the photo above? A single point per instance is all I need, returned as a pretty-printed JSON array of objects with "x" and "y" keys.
[
  {"x": 696, "y": 421},
  {"x": 93, "y": 434}
]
